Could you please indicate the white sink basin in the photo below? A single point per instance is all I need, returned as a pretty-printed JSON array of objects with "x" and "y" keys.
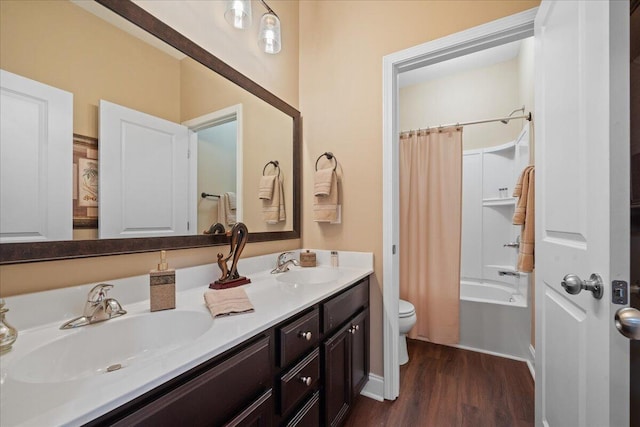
[
  {"x": 110, "y": 346},
  {"x": 309, "y": 276}
]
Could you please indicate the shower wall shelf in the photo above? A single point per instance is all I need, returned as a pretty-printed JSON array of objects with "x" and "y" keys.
[{"x": 505, "y": 201}]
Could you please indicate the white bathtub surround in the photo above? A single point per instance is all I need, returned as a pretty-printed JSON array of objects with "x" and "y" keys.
[{"x": 53, "y": 396}]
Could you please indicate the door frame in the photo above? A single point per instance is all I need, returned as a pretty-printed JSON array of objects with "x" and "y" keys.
[
  {"x": 216, "y": 118},
  {"x": 498, "y": 32}
]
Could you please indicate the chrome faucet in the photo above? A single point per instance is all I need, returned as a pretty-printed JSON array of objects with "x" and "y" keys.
[
  {"x": 284, "y": 262},
  {"x": 98, "y": 308}
]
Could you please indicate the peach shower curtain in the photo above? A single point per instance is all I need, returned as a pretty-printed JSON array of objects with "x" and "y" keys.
[{"x": 430, "y": 231}]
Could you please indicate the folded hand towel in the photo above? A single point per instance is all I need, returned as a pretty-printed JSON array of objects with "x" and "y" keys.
[
  {"x": 322, "y": 182},
  {"x": 325, "y": 209},
  {"x": 230, "y": 207},
  {"x": 231, "y": 197},
  {"x": 227, "y": 302},
  {"x": 267, "y": 183},
  {"x": 222, "y": 210},
  {"x": 273, "y": 210}
]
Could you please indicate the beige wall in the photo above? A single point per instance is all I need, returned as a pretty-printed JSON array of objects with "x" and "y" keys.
[
  {"x": 57, "y": 46},
  {"x": 466, "y": 96},
  {"x": 342, "y": 44}
]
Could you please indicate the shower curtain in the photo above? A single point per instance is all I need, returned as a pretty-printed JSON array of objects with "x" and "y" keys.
[{"x": 430, "y": 231}]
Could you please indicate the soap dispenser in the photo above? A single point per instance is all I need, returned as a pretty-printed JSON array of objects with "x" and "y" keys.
[{"x": 162, "y": 285}]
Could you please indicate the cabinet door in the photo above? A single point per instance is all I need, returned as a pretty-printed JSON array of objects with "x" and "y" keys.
[
  {"x": 337, "y": 376},
  {"x": 359, "y": 352}
]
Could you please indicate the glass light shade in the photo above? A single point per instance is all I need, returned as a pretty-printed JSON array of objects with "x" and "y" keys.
[
  {"x": 238, "y": 13},
  {"x": 269, "y": 35}
]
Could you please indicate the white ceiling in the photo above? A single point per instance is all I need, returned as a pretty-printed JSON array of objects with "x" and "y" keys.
[{"x": 481, "y": 59}]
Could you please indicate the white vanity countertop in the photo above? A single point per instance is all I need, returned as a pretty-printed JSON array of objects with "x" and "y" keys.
[{"x": 38, "y": 317}]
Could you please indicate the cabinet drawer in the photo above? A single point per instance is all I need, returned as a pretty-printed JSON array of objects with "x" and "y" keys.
[
  {"x": 298, "y": 337},
  {"x": 214, "y": 397},
  {"x": 309, "y": 414},
  {"x": 299, "y": 381},
  {"x": 258, "y": 414},
  {"x": 337, "y": 310}
]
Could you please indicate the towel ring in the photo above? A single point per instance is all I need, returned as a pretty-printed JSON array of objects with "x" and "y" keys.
[
  {"x": 275, "y": 164},
  {"x": 329, "y": 155}
]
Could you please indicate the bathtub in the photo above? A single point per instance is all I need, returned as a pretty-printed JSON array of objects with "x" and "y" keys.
[
  {"x": 491, "y": 294},
  {"x": 495, "y": 319}
]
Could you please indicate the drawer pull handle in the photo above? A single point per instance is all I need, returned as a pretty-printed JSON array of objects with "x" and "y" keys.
[
  {"x": 306, "y": 335},
  {"x": 306, "y": 381}
]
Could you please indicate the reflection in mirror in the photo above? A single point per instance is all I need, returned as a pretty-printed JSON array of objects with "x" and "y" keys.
[
  {"x": 71, "y": 48},
  {"x": 67, "y": 47}
]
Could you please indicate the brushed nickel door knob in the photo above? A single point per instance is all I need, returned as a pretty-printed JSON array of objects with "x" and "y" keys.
[
  {"x": 628, "y": 322},
  {"x": 574, "y": 284}
]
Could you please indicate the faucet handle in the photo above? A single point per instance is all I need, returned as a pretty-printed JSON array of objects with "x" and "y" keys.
[
  {"x": 282, "y": 257},
  {"x": 99, "y": 292}
]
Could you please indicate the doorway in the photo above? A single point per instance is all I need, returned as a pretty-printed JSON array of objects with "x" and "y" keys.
[{"x": 499, "y": 32}]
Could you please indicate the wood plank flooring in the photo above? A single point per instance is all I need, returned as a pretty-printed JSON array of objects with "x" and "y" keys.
[{"x": 448, "y": 387}]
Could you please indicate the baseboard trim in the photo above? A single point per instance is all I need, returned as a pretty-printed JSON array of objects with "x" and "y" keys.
[
  {"x": 374, "y": 388},
  {"x": 493, "y": 353},
  {"x": 530, "y": 363}
]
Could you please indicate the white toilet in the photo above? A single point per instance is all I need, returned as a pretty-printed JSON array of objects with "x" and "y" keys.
[{"x": 407, "y": 318}]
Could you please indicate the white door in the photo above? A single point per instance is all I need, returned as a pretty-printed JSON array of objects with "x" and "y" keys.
[
  {"x": 582, "y": 210},
  {"x": 36, "y": 159},
  {"x": 144, "y": 175}
]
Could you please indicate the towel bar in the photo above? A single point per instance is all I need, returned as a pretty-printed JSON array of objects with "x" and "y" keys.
[{"x": 204, "y": 195}]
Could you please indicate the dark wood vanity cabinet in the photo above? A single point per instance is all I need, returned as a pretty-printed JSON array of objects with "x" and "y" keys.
[
  {"x": 346, "y": 364},
  {"x": 305, "y": 371}
]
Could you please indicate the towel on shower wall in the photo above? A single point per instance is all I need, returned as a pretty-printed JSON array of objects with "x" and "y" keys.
[
  {"x": 520, "y": 190},
  {"x": 227, "y": 302},
  {"x": 267, "y": 184},
  {"x": 325, "y": 208},
  {"x": 322, "y": 182},
  {"x": 273, "y": 210},
  {"x": 525, "y": 215}
]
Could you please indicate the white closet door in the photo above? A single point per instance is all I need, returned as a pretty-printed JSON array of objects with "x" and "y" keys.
[
  {"x": 144, "y": 175},
  {"x": 36, "y": 158}
]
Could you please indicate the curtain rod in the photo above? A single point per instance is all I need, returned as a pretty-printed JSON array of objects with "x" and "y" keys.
[{"x": 476, "y": 122}]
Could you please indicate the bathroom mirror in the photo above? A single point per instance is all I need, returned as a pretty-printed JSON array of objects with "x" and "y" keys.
[{"x": 270, "y": 127}]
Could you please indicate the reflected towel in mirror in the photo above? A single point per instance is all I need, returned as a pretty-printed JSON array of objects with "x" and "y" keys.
[{"x": 273, "y": 210}]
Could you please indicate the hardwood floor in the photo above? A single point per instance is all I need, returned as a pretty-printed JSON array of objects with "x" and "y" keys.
[{"x": 445, "y": 387}]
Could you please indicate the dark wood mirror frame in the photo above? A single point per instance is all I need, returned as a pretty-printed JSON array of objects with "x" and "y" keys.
[{"x": 12, "y": 253}]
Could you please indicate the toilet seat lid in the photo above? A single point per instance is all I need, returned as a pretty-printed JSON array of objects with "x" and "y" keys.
[{"x": 405, "y": 308}]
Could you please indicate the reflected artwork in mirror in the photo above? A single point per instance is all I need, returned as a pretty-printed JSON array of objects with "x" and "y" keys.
[{"x": 233, "y": 128}]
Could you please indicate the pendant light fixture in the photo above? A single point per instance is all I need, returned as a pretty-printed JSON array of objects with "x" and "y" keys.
[
  {"x": 269, "y": 35},
  {"x": 238, "y": 13}
]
